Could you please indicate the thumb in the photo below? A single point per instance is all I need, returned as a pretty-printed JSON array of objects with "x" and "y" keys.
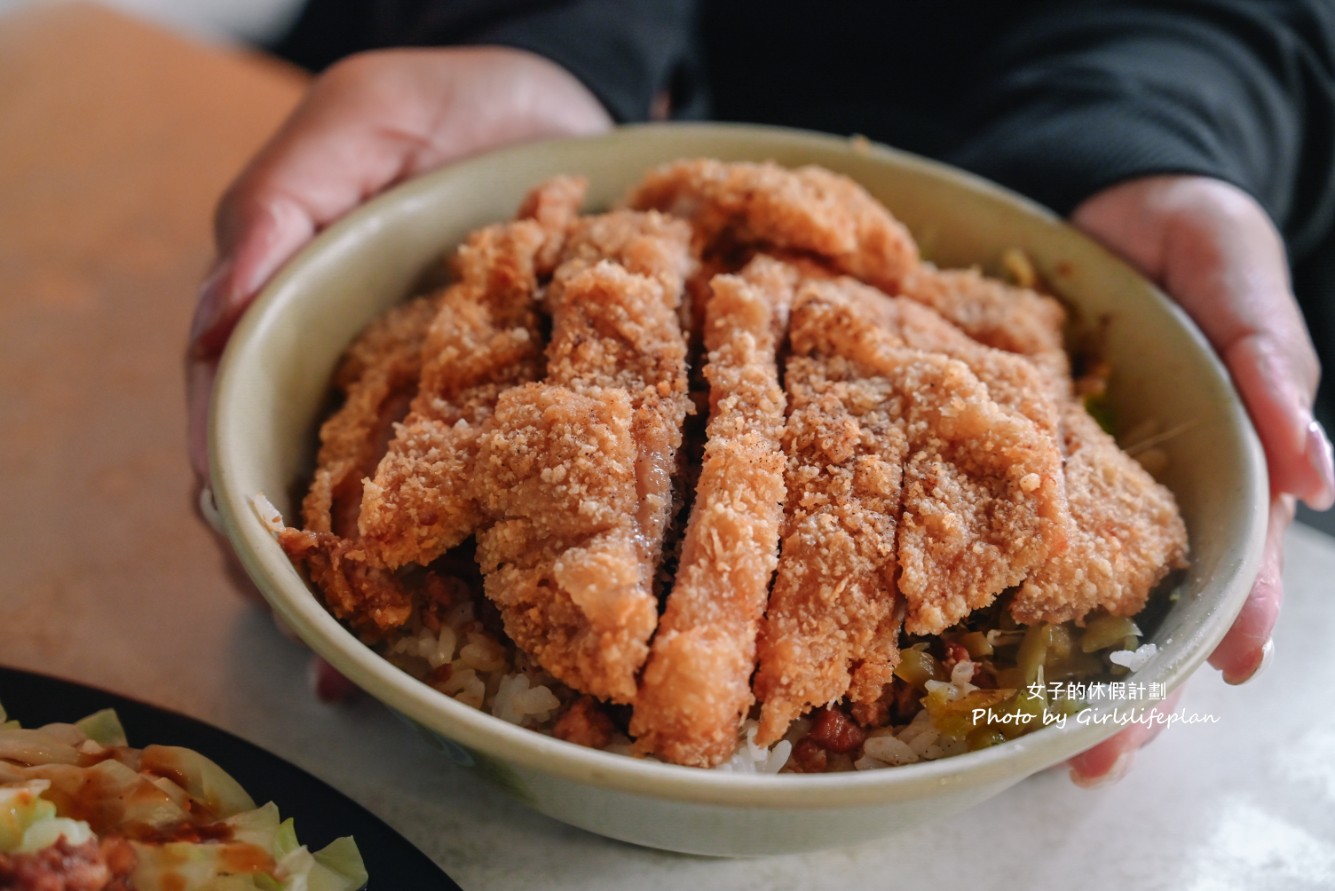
[
  {"x": 261, "y": 236},
  {"x": 257, "y": 235}
]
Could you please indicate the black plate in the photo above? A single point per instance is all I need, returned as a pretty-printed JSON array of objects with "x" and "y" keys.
[{"x": 321, "y": 813}]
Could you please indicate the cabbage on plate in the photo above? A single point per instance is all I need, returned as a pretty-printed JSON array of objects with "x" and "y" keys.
[{"x": 78, "y": 803}]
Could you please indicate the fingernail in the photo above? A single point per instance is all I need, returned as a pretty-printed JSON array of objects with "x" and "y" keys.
[
  {"x": 1323, "y": 464},
  {"x": 1119, "y": 769},
  {"x": 199, "y": 387},
  {"x": 212, "y": 302},
  {"x": 1267, "y": 654},
  {"x": 208, "y": 510},
  {"x": 328, "y": 682}
]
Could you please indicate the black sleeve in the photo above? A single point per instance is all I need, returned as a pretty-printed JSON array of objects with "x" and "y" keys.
[
  {"x": 627, "y": 52},
  {"x": 1081, "y": 95}
]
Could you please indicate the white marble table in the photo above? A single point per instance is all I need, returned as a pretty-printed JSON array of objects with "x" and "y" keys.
[{"x": 108, "y": 579}]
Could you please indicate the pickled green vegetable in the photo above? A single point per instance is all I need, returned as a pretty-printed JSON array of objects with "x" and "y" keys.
[
  {"x": 917, "y": 666},
  {"x": 1105, "y": 632},
  {"x": 1033, "y": 652},
  {"x": 976, "y": 643}
]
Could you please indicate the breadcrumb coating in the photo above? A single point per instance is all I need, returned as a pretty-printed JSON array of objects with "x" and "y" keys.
[
  {"x": 832, "y": 624},
  {"x": 696, "y": 688},
  {"x": 1127, "y": 533},
  {"x": 982, "y": 501},
  {"x": 615, "y": 323},
  {"x": 579, "y": 598},
  {"x": 808, "y": 210},
  {"x": 561, "y": 555},
  {"x": 377, "y": 379},
  {"x": 890, "y": 446},
  {"x": 484, "y": 340},
  {"x": 1008, "y": 317}
]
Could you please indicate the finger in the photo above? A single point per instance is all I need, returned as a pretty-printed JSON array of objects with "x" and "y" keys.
[
  {"x": 1247, "y": 647},
  {"x": 370, "y": 121},
  {"x": 1228, "y": 270},
  {"x": 199, "y": 374},
  {"x": 264, "y": 230},
  {"x": 1111, "y": 759},
  {"x": 1215, "y": 250},
  {"x": 1269, "y": 367},
  {"x": 357, "y": 130},
  {"x": 328, "y": 683}
]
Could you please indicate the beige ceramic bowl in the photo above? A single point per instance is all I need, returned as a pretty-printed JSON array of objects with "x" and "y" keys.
[{"x": 272, "y": 390}]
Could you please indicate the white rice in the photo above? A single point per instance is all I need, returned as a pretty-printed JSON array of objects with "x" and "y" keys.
[
  {"x": 465, "y": 661},
  {"x": 520, "y": 702},
  {"x": 751, "y": 758},
  {"x": 1134, "y": 659}
]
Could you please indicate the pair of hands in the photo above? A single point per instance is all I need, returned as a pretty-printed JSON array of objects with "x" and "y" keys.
[{"x": 380, "y": 118}]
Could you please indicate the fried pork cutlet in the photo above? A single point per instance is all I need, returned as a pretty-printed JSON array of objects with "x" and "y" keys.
[
  {"x": 377, "y": 379},
  {"x": 554, "y": 205},
  {"x": 1124, "y": 531},
  {"x": 882, "y": 322},
  {"x": 563, "y": 560},
  {"x": 832, "y": 623},
  {"x": 696, "y": 687},
  {"x": 649, "y": 244},
  {"x": 809, "y": 211},
  {"x": 578, "y": 593},
  {"x": 1128, "y": 533},
  {"x": 983, "y": 501},
  {"x": 608, "y": 331},
  {"x": 485, "y": 339},
  {"x": 872, "y": 464}
]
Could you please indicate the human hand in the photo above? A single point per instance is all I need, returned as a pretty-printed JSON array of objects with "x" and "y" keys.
[
  {"x": 368, "y": 123},
  {"x": 1216, "y": 252}
]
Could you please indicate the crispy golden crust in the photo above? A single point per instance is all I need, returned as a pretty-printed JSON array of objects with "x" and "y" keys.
[
  {"x": 832, "y": 623},
  {"x": 649, "y": 244},
  {"x": 696, "y": 686},
  {"x": 377, "y": 378},
  {"x": 904, "y": 470},
  {"x": 883, "y": 322},
  {"x": 555, "y": 206},
  {"x": 1128, "y": 534},
  {"x": 373, "y": 600},
  {"x": 808, "y": 210},
  {"x": 579, "y": 597},
  {"x": 615, "y": 324},
  {"x": 1013, "y": 319},
  {"x": 983, "y": 501},
  {"x": 484, "y": 340},
  {"x": 982, "y": 496},
  {"x": 561, "y": 555}
]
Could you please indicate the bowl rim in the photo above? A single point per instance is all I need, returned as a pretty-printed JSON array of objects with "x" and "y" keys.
[{"x": 491, "y": 739}]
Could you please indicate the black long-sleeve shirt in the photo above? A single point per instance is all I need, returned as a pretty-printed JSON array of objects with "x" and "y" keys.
[{"x": 1056, "y": 99}]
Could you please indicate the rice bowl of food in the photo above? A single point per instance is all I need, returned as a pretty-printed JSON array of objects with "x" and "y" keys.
[{"x": 735, "y": 490}]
